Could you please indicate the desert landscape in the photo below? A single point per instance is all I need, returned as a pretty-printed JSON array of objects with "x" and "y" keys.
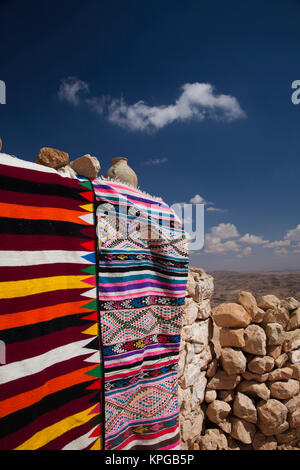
[{"x": 228, "y": 284}]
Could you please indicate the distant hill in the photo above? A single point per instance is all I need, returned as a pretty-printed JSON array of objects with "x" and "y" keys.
[{"x": 229, "y": 283}]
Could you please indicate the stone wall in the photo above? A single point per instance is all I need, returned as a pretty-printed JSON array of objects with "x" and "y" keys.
[
  {"x": 195, "y": 357},
  {"x": 239, "y": 371}
]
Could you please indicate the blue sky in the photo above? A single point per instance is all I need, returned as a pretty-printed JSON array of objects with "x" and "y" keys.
[{"x": 196, "y": 94}]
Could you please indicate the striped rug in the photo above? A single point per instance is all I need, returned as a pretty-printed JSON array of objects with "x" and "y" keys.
[
  {"x": 142, "y": 281},
  {"x": 92, "y": 288},
  {"x": 50, "y": 386}
]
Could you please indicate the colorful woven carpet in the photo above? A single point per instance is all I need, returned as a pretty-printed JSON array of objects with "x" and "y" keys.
[{"x": 65, "y": 303}]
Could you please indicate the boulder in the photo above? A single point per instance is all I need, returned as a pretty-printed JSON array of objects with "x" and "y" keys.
[
  {"x": 296, "y": 371},
  {"x": 232, "y": 337},
  {"x": 247, "y": 300},
  {"x": 217, "y": 411},
  {"x": 67, "y": 171},
  {"x": 213, "y": 439},
  {"x": 292, "y": 340},
  {"x": 275, "y": 334},
  {"x": 293, "y": 403},
  {"x": 222, "y": 381},
  {"x": 268, "y": 301},
  {"x": 52, "y": 158},
  {"x": 294, "y": 321},
  {"x": 233, "y": 361},
  {"x": 284, "y": 390},
  {"x": 279, "y": 315},
  {"x": 294, "y": 356},
  {"x": 274, "y": 351},
  {"x": 272, "y": 415},
  {"x": 190, "y": 312},
  {"x": 255, "y": 340},
  {"x": 262, "y": 442},
  {"x": 212, "y": 368},
  {"x": 226, "y": 395},
  {"x": 287, "y": 437},
  {"x": 290, "y": 303},
  {"x": 281, "y": 360},
  {"x": 242, "y": 430},
  {"x": 230, "y": 315},
  {"x": 260, "y": 365},
  {"x": 294, "y": 419},
  {"x": 254, "y": 389},
  {"x": 285, "y": 373},
  {"x": 244, "y": 408},
  {"x": 210, "y": 396},
  {"x": 256, "y": 377}
]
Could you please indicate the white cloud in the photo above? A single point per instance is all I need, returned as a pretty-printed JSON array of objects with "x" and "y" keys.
[
  {"x": 253, "y": 239},
  {"x": 156, "y": 161},
  {"x": 70, "y": 90},
  {"x": 224, "y": 231},
  {"x": 293, "y": 234},
  {"x": 281, "y": 251},
  {"x": 215, "y": 209},
  {"x": 278, "y": 243},
  {"x": 197, "y": 199},
  {"x": 213, "y": 240},
  {"x": 245, "y": 252},
  {"x": 196, "y": 101}
]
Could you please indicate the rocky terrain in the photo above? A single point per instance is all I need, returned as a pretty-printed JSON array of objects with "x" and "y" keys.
[
  {"x": 239, "y": 371},
  {"x": 228, "y": 284}
]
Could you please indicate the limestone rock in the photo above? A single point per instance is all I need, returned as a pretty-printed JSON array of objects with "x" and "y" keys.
[
  {"x": 294, "y": 356},
  {"x": 225, "y": 425},
  {"x": 191, "y": 284},
  {"x": 190, "y": 311},
  {"x": 260, "y": 365},
  {"x": 296, "y": 371},
  {"x": 290, "y": 303},
  {"x": 255, "y": 340},
  {"x": 213, "y": 439},
  {"x": 87, "y": 166},
  {"x": 231, "y": 315},
  {"x": 242, "y": 430},
  {"x": 281, "y": 360},
  {"x": 233, "y": 361},
  {"x": 262, "y": 442},
  {"x": 212, "y": 368},
  {"x": 281, "y": 374},
  {"x": 294, "y": 321},
  {"x": 52, "y": 158},
  {"x": 274, "y": 351},
  {"x": 284, "y": 390},
  {"x": 256, "y": 377},
  {"x": 217, "y": 411},
  {"x": 275, "y": 334},
  {"x": 232, "y": 337},
  {"x": 226, "y": 395},
  {"x": 272, "y": 415},
  {"x": 293, "y": 403},
  {"x": 279, "y": 315},
  {"x": 247, "y": 300},
  {"x": 268, "y": 301},
  {"x": 222, "y": 381},
  {"x": 197, "y": 333},
  {"x": 199, "y": 386},
  {"x": 287, "y": 437},
  {"x": 210, "y": 396},
  {"x": 254, "y": 389},
  {"x": 204, "y": 284},
  {"x": 292, "y": 340},
  {"x": 244, "y": 408},
  {"x": 204, "y": 309},
  {"x": 67, "y": 171},
  {"x": 294, "y": 419}
]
